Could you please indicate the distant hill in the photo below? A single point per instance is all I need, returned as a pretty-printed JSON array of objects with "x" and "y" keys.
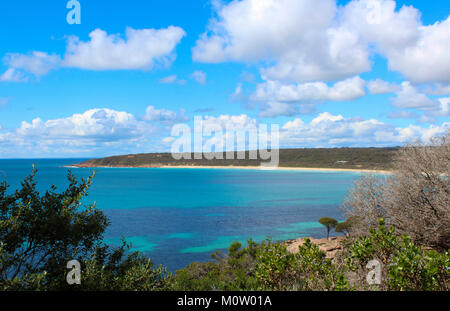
[{"x": 345, "y": 158}]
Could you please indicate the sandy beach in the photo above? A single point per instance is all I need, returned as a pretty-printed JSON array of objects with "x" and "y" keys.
[{"x": 279, "y": 168}]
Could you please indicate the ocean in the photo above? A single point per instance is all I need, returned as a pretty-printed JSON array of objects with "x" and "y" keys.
[{"x": 180, "y": 215}]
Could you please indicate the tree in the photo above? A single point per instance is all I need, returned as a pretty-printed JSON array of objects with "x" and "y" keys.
[
  {"x": 342, "y": 227},
  {"x": 415, "y": 199},
  {"x": 329, "y": 223},
  {"x": 39, "y": 234},
  {"x": 346, "y": 226}
]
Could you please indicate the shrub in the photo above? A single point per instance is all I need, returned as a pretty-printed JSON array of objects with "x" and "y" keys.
[
  {"x": 234, "y": 271},
  {"x": 404, "y": 265},
  {"x": 275, "y": 266},
  {"x": 415, "y": 199}
]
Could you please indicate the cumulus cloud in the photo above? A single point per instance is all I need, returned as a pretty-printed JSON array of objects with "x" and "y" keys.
[
  {"x": 439, "y": 107},
  {"x": 348, "y": 89},
  {"x": 277, "y": 98},
  {"x": 328, "y": 130},
  {"x": 334, "y": 45},
  {"x": 92, "y": 126},
  {"x": 273, "y": 109},
  {"x": 95, "y": 131},
  {"x": 409, "y": 97},
  {"x": 304, "y": 48},
  {"x": 335, "y": 130},
  {"x": 142, "y": 49},
  {"x": 427, "y": 59},
  {"x": 236, "y": 122},
  {"x": 35, "y": 63},
  {"x": 379, "y": 86}
]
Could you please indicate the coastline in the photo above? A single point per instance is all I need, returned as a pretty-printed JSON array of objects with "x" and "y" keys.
[{"x": 279, "y": 168}]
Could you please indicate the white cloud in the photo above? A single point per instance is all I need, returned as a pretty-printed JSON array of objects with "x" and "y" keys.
[
  {"x": 334, "y": 45},
  {"x": 273, "y": 109},
  {"x": 163, "y": 115},
  {"x": 142, "y": 49},
  {"x": 409, "y": 97},
  {"x": 97, "y": 131},
  {"x": 427, "y": 59},
  {"x": 335, "y": 130},
  {"x": 277, "y": 98},
  {"x": 92, "y": 126},
  {"x": 237, "y": 122},
  {"x": 379, "y": 86},
  {"x": 199, "y": 76},
  {"x": 36, "y": 63},
  {"x": 305, "y": 48},
  {"x": 348, "y": 89}
]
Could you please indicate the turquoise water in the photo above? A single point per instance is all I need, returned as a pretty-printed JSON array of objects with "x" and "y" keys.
[{"x": 177, "y": 216}]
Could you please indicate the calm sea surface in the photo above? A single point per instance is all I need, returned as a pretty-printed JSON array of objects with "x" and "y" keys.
[{"x": 179, "y": 215}]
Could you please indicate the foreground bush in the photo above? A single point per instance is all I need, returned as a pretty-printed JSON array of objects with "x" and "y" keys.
[
  {"x": 39, "y": 234},
  {"x": 404, "y": 265}
]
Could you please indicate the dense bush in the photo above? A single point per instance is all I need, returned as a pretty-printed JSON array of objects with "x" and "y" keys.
[
  {"x": 234, "y": 271},
  {"x": 404, "y": 265}
]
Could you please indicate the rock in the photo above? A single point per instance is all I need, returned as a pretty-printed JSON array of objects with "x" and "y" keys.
[{"x": 330, "y": 246}]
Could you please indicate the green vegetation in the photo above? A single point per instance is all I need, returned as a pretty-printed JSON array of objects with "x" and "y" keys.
[
  {"x": 348, "y": 158},
  {"x": 39, "y": 234},
  {"x": 329, "y": 223},
  {"x": 346, "y": 226},
  {"x": 404, "y": 265}
]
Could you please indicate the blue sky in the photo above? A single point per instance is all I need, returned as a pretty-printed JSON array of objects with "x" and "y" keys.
[{"x": 351, "y": 73}]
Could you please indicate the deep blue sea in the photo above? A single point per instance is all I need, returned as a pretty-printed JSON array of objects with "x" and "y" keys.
[{"x": 180, "y": 215}]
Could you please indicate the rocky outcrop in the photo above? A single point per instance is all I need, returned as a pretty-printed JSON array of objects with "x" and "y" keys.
[{"x": 330, "y": 246}]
